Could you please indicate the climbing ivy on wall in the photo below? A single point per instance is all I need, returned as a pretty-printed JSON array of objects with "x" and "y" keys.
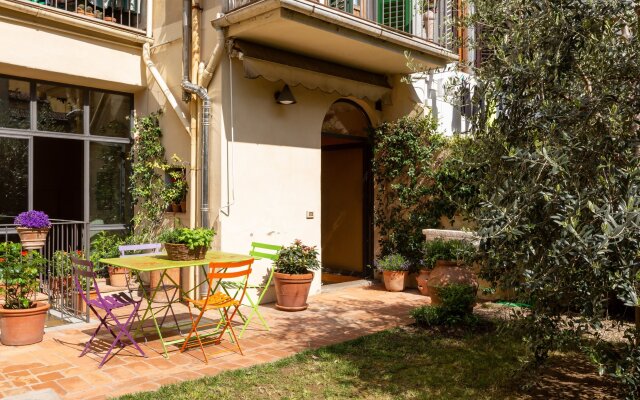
[{"x": 419, "y": 178}]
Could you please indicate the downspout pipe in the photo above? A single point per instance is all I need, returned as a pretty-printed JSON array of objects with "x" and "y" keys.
[
  {"x": 146, "y": 56},
  {"x": 202, "y": 93}
]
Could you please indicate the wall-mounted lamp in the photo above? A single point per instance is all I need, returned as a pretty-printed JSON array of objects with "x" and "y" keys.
[{"x": 285, "y": 96}]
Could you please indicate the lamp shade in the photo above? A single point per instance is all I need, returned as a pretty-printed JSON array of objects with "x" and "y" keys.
[{"x": 285, "y": 96}]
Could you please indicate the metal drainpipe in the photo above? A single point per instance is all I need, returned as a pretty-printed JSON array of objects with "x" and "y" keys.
[{"x": 189, "y": 89}]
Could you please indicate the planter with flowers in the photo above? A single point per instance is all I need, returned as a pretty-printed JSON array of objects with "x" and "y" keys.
[
  {"x": 394, "y": 269},
  {"x": 21, "y": 317},
  {"x": 33, "y": 227},
  {"x": 293, "y": 276}
]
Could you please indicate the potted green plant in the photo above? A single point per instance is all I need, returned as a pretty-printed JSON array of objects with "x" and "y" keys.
[
  {"x": 293, "y": 275},
  {"x": 184, "y": 244},
  {"x": 106, "y": 245},
  {"x": 21, "y": 317},
  {"x": 33, "y": 227},
  {"x": 451, "y": 261},
  {"x": 394, "y": 268}
]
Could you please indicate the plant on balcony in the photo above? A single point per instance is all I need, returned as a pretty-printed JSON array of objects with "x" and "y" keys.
[
  {"x": 293, "y": 275},
  {"x": 394, "y": 269},
  {"x": 33, "y": 227},
  {"x": 187, "y": 244},
  {"x": 21, "y": 317}
]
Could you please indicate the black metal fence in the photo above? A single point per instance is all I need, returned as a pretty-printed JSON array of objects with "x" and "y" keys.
[
  {"x": 129, "y": 13},
  {"x": 56, "y": 281}
]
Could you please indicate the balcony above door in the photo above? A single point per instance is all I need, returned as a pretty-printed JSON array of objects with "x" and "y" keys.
[{"x": 372, "y": 35}]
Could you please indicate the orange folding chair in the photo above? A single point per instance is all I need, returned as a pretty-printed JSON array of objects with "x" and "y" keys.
[{"x": 227, "y": 305}]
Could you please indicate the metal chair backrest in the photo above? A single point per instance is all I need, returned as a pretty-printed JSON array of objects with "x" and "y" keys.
[
  {"x": 265, "y": 250},
  {"x": 137, "y": 249},
  {"x": 87, "y": 273}
]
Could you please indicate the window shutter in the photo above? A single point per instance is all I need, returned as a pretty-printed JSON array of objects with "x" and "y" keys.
[
  {"x": 344, "y": 5},
  {"x": 395, "y": 14},
  {"x": 482, "y": 52}
]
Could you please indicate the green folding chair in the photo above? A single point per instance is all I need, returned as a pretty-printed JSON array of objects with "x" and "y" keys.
[{"x": 258, "y": 251}]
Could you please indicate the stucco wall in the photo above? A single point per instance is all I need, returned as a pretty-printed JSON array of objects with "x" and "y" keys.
[{"x": 66, "y": 57}]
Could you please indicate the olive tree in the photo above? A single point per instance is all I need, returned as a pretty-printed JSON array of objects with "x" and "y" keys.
[{"x": 556, "y": 141}]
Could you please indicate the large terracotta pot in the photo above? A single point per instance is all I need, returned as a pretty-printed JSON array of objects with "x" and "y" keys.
[
  {"x": 394, "y": 280},
  {"x": 32, "y": 239},
  {"x": 422, "y": 279},
  {"x": 446, "y": 273},
  {"x": 23, "y": 327},
  {"x": 118, "y": 276},
  {"x": 292, "y": 291}
]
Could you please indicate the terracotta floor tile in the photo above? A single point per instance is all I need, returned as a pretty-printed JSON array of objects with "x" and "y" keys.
[
  {"x": 50, "y": 376},
  {"x": 73, "y": 384},
  {"x": 49, "y": 385}
]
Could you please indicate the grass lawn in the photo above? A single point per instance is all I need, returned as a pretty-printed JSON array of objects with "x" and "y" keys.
[{"x": 401, "y": 363}]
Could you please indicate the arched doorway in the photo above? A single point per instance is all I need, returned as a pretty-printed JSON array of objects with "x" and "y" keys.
[{"x": 346, "y": 193}]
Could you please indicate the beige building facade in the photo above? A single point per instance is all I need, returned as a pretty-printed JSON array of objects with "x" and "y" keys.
[{"x": 275, "y": 172}]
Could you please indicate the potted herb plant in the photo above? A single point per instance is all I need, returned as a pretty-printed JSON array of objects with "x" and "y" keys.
[
  {"x": 21, "y": 317},
  {"x": 183, "y": 244},
  {"x": 33, "y": 227},
  {"x": 394, "y": 269},
  {"x": 451, "y": 261},
  {"x": 293, "y": 275}
]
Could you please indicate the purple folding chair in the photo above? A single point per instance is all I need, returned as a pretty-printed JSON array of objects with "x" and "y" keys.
[{"x": 108, "y": 304}]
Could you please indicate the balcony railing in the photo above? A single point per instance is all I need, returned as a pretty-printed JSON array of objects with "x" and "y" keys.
[
  {"x": 55, "y": 279},
  {"x": 129, "y": 13},
  {"x": 427, "y": 19}
]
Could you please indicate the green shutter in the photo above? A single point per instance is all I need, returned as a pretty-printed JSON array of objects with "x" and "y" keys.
[
  {"x": 344, "y": 5},
  {"x": 395, "y": 14}
]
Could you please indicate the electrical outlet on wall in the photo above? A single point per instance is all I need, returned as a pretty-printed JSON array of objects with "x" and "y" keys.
[{"x": 309, "y": 214}]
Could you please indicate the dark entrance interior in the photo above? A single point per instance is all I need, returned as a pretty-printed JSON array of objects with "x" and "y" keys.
[
  {"x": 58, "y": 166},
  {"x": 346, "y": 194}
]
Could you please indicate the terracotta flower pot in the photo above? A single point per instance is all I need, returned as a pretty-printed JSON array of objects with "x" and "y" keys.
[
  {"x": 446, "y": 273},
  {"x": 23, "y": 327},
  {"x": 394, "y": 280},
  {"x": 32, "y": 238},
  {"x": 81, "y": 306},
  {"x": 118, "y": 276},
  {"x": 422, "y": 279},
  {"x": 292, "y": 291}
]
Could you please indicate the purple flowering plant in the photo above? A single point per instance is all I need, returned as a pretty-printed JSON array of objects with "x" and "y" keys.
[
  {"x": 32, "y": 219},
  {"x": 392, "y": 262}
]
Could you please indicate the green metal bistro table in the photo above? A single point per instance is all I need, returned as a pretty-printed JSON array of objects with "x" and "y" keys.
[{"x": 160, "y": 262}]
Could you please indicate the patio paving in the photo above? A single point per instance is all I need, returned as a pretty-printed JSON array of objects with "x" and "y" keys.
[{"x": 332, "y": 317}]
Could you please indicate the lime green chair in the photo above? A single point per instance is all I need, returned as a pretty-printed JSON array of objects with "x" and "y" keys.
[{"x": 258, "y": 251}]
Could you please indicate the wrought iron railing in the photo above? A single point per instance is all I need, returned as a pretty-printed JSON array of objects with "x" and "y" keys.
[
  {"x": 432, "y": 20},
  {"x": 56, "y": 281},
  {"x": 130, "y": 13}
]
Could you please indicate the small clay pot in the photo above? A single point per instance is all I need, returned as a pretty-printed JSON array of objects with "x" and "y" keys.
[
  {"x": 394, "y": 280},
  {"x": 292, "y": 291},
  {"x": 421, "y": 280},
  {"x": 118, "y": 276}
]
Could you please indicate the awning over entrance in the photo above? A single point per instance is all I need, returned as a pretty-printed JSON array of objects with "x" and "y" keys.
[
  {"x": 314, "y": 30},
  {"x": 274, "y": 65}
]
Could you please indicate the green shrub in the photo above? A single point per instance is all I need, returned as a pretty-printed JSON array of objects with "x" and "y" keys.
[
  {"x": 450, "y": 250},
  {"x": 297, "y": 259},
  {"x": 392, "y": 262},
  {"x": 456, "y": 307}
]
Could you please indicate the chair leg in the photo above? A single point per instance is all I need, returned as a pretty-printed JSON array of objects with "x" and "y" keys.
[
  {"x": 256, "y": 311},
  {"x": 194, "y": 329},
  {"x": 232, "y": 331}
]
